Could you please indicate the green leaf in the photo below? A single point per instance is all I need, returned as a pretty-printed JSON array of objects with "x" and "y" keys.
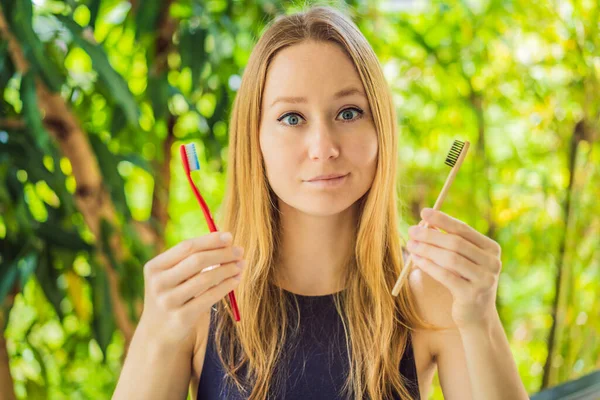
[
  {"x": 20, "y": 20},
  {"x": 47, "y": 276},
  {"x": 21, "y": 155},
  {"x": 106, "y": 231},
  {"x": 9, "y": 272},
  {"x": 147, "y": 17},
  {"x": 132, "y": 288},
  {"x": 32, "y": 114},
  {"x": 52, "y": 233},
  {"x": 103, "y": 323},
  {"x": 118, "y": 121},
  {"x": 27, "y": 266},
  {"x": 18, "y": 261},
  {"x": 213, "y": 145},
  {"x": 7, "y": 68},
  {"x": 158, "y": 88},
  {"x": 7, "y": 7},
  {"x": 138, "y": 160},
  {"x": 111, "y": 78},
  {"x": 108, "y": 163},
  {"x": 35, "y": 390},
  {"x": 191, "y": 49},
  {"x": 44, "y": 371},
  {"x": 94, "y": 7},
  {"x": 14, "y": 186}
]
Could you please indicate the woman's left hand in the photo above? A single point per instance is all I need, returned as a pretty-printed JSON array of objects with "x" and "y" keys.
[{"x": 467, "y": 262}]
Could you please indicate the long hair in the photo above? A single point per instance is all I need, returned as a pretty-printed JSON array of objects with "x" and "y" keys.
[{"x": 376, "y": 324}]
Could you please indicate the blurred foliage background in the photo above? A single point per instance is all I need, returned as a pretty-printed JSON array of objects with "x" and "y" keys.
[{"x": 96, "y": 96}]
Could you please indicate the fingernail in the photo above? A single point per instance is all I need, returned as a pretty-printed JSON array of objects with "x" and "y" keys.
[
  {"x": 226, "y": 237},
  {"x": 238, "y": 251},
  {"x": 238, "y": 277},
  {"x": 240, "y": 264}
]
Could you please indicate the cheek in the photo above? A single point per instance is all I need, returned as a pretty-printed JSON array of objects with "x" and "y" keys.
[
  {"x": 267, "y": 149},
  {"x": 278, "y": 157},
  {"x": 364, "y": 152}
]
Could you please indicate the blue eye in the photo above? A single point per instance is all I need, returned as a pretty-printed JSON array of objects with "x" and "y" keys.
[
  {"x": 295, "y": 117},
  {"x": 347, "y": 112}
]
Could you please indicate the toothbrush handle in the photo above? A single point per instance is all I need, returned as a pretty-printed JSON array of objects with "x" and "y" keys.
[
  {"x": 209, "y": 220},
  {"x": 438, "y": 204},
  {"x": 213, "y": 228}
]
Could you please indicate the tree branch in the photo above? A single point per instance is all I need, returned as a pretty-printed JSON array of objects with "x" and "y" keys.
[{"x": 12, "y": 124}]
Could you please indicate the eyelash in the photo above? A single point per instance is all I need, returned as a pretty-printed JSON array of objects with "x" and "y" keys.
[{"x": 360, "y": 116}]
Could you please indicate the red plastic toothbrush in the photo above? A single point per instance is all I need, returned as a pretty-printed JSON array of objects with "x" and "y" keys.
[{"x": 190, "y": 162}]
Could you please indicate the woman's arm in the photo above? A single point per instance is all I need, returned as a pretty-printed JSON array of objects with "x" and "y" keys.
[
  {"x": 472, "y": 364},
  {"x": 491, "y": 367},
  {"x": 463, "y": 268},
  {"x": 179, "y": 292},
  {"x": 154, "y": 371}
]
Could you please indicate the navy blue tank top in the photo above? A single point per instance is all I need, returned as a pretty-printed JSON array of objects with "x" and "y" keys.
[{"x": 315, "y": 365}]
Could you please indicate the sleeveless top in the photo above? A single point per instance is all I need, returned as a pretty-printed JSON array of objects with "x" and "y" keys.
[{"x": 315, "y": 363}]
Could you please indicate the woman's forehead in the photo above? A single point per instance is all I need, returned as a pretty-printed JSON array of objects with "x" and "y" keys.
[{"x": 307, "y": 70}]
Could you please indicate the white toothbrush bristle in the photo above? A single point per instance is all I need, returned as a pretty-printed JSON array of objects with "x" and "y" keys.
[{"x": 192, "y": 157}]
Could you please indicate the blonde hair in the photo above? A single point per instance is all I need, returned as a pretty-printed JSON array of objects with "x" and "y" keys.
[{"x": 376, "y": 323}]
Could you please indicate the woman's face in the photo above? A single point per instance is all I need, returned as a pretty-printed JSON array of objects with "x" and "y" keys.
[{"x": 315, "y": 121}]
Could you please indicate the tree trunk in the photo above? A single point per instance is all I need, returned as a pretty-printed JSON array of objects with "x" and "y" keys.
[
  {"x": 7, "y": 391},
  {"x": 7, "y": 386},
  {"x": 162, "y": 182},
  {"x": 578, "y": 135},
  {"x": 162, "y": 176},
  {"x": 91, "y": 197}
]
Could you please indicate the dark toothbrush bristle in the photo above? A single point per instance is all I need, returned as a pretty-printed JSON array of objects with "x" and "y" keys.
[{"x": 454, "y": 153}]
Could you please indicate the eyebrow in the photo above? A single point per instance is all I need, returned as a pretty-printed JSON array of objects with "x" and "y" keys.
[{"x": 342, "y": 93}]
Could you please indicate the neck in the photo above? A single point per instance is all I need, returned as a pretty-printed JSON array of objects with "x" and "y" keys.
[{"x": 315, "y": 251}]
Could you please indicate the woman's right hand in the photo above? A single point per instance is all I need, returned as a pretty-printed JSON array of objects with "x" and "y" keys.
[{"x": 179, "y": 289}]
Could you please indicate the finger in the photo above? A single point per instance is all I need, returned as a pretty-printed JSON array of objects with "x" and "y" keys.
[
  {"x": 447, "y": 259},
  {"x": 186, "y": 248},
  {"x": 424, "y": 223},
  {"x": 197, "y": 262},
  {"x": 458, "y": 227},
  {"x": 451, "y": 242},
  {"x": 209, "y": 298},
  {"x": 447, "y": 278},
  {"x": 200, "y": 283}
]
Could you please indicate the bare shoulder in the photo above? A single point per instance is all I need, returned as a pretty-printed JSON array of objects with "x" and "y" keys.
[{"x": 200, "y": 342}]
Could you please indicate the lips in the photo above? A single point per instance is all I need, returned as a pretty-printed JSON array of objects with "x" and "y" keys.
[{"x": 326, "y": 177}]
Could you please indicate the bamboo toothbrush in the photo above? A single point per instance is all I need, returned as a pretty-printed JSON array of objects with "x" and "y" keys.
[
  {"x": 189, "y": 158},
  {"x": 454, "y": 160}
]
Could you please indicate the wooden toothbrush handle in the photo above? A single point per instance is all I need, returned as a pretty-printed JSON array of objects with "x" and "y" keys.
[{"x": 438, "y": 204}]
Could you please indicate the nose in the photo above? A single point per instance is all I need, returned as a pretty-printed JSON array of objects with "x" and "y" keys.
[{"x": 322, "y": 143}]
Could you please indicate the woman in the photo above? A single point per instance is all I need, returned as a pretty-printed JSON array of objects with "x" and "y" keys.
[{"x": 311, "y": 204}]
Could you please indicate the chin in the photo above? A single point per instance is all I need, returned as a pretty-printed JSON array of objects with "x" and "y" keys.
[
  {"x": 323, "y": 212},
  {"x": 319, "y": 207}
]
